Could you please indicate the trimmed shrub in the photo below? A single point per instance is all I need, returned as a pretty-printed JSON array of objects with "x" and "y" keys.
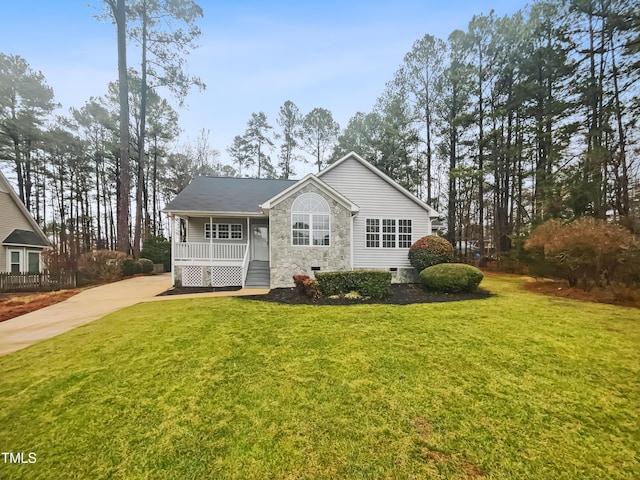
[
  {"x": 306, "y": 285},
  {"x": 128, "y": 267},
  {"x": 374, "y": 284},
  {"x": 137, "y": 267},
  {"x": 428, "y": 251},
  {"x": 147, "y": 265},
  {"x": 158, "y": 250},
  {"x": 451, "y": 278},
  {"x": 299, "y": 281},
  {"x": 100, "y": 266}
]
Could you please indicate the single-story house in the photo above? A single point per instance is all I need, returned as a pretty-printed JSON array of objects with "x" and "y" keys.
[
  {"x": 260, "y": 232},
  {"x": 22, "y": 239}
]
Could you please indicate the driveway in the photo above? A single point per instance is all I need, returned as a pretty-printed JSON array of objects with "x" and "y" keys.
[
  {"x": 89, "y": 305},
  {"x": 82, "y": 308}
]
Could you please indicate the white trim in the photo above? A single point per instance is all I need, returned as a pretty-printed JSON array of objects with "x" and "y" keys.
[
  {"x": 310, "y": 178},
  {"x": 207, "y": 213},
  {"x": 24, "y": 211},
  {"x": 25, "y": 245},
  {"x": 20, "y": 260},
  {"x": 390, "y": 181}
]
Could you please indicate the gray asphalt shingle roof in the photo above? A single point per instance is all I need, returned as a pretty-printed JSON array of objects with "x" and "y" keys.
[
  {"x": 226, "y": 194},
  {"x": 24, "y": 237}
]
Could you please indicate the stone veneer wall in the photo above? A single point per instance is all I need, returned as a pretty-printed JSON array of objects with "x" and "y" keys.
[{"x": 288, "y": 260}]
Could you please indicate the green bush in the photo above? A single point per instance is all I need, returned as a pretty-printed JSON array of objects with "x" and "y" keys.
[
  {"x": 428, "y": 251},
  {"x": 147, "y": 265},
  {"x": 451, "y": 278},
  {"x": 158, "y": 250},
  {"x": 137, "y": 267},
  {"x": 128, "y": 267},
  {"x": 374, "y": 284}
]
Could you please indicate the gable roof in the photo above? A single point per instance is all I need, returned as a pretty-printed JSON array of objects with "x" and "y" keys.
[
  {"x": 26, "y": 238},
  {"x": 432, "y": 212},
  {"x": 6, "y": 187},
  {"x": 310, "y": 178},
  {"x": 225, "y": 195}
]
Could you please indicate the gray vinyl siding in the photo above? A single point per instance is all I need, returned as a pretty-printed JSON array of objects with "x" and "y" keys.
[
  {"x": 11, "y": 218},
  {"x": 195, "y": 229},
  {"x": 376, "y": 199}
]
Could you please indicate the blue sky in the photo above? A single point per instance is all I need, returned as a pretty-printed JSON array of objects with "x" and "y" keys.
[{"x": 253, "y": 55}]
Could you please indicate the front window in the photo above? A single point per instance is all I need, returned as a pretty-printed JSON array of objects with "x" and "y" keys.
[
  {"x": 310, "y": 221},
  {"x": 223, "y": 231}
]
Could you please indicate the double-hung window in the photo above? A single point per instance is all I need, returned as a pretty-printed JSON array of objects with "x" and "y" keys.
[
  {"x": 33, "y": 259},
  {"x": 15, "y": 261},
  {"x": 373, "y": 232},
  {"x": 388, "y": 233},
  {"x": 223, "y": 231},
  {"x": 310, "y": 221}
]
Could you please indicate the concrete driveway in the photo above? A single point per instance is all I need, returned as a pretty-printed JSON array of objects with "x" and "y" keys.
[
  {"x": 89, "y": 305},
  {"x": 82, "y": 308}
]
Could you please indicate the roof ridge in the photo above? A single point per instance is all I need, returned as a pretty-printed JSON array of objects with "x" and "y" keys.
[{"x": 249, "y": 178}]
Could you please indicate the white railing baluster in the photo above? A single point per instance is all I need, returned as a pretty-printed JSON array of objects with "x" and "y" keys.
[{"x": 210, "y": 251}]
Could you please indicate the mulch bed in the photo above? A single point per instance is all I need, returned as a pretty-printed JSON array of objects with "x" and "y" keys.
[
  {"x": 186, "y": 290},
  {"x": 399, "y": 294}
]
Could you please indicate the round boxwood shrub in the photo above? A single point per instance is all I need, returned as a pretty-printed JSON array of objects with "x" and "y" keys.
[
  {"x": 147, "y": 265},
  {"x": 137, "y": 267},
  {"x": 428, "y": 251},
  {"x": 128, "y": 267},
  {"x": 451, "y": 278}
]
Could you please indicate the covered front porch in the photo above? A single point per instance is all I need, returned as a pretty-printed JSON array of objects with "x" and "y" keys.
[{"x": 219, "y": 251}]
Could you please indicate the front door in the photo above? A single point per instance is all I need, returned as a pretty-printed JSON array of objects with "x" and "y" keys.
[{"x": 260, "y": 242}]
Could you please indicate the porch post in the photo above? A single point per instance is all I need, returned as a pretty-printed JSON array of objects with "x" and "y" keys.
[
  {"x": 210, "y": 238},
  {"x": 172, "y": 232},
  {"x": 247, "y": 242}
]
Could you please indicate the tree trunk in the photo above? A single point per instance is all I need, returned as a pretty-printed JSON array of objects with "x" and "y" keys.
[
  {"x": 124, "y": 179},
  {"x": 141, "y": 136}
]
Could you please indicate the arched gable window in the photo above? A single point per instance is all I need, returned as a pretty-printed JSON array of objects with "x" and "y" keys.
[{"x": 310, "y": 220}]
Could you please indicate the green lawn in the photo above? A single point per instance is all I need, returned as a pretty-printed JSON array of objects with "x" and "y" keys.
[{"x": 518, "y": 386}]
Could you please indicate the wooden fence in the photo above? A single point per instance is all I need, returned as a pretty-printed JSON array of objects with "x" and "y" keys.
[{"x": 36, "y": 282}]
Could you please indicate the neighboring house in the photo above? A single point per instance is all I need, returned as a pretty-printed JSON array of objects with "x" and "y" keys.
[
  {"x": 22, "y": 239},
  {"x": 259, "y": 232}
]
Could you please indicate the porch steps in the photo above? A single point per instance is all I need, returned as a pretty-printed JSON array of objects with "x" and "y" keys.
[{"x": 257, "y": 275}]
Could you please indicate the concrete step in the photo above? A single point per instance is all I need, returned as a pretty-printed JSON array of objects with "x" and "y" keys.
[{"x": 257, "y": 275}]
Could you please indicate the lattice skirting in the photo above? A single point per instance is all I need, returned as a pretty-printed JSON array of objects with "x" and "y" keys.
[
  {"x": 192, "y": 276},
  {"x": 200, "y": 276},
  {"x": 226, "y": 276}
]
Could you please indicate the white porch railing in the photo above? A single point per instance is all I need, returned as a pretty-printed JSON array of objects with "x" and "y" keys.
[{"x": 210, "y": 251}]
